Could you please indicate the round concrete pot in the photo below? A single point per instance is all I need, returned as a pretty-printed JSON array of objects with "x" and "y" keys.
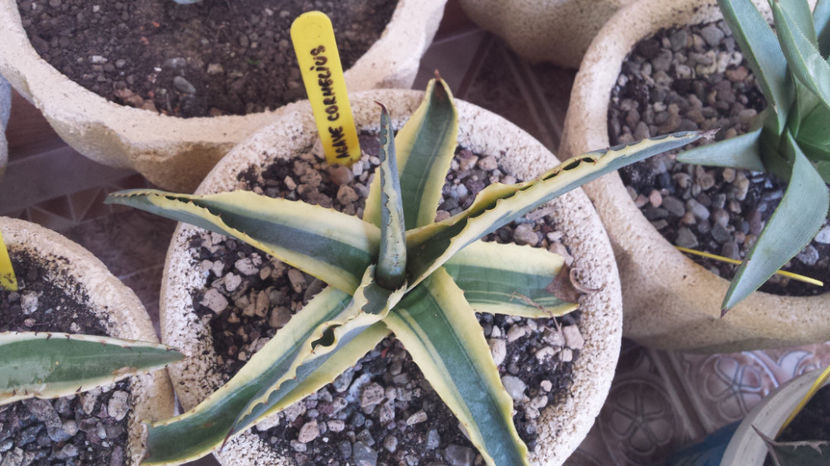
[
  {"x": 670, "y": 302},
  {"x": 84, "y": 277},
  {"x": 176, "y": 153},
  {"x": 747, "y": 447},
  {"x": 557, "y": 31},
  {"x": 562, "y": 426}
]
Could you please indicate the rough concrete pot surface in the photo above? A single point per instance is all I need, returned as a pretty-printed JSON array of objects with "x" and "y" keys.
[
  {"x": 176, "y": 153},
  {"x": 563, "y": 426},
  {"x": 113, "y": 303},
  {"x": 670, "y": 302},
  {"x": 557, "y": 31},
  {"x": 5, "y": 112},
  {"x": 746, "y": 447}
]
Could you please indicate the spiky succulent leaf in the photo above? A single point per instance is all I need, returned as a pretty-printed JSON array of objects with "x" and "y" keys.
[
  {"x": 803, "y": 453},
  {"x": 439, "y": 329},
  {"x": 187, "y": 439},
  {"x": 49, "y": 365},
  {"x": 802, "y": 17},
  {"x": 821, "y": 19},
  {"x": 205, "y": 427},
  {"x": 738, "y": 152},
  {"x": 391, "y": 269},
  {"x": 498, "y": 204},
  {"x": 332, "y": 246},
  {"x": 518, "y": 286},
  {"x": 330, "y": 320},
  {"x": 763, "y": 53},
  {"x": 793, "y": 224},
  {"x": 370, "y": 303},
  {"x": 322, "y": 368},
  {"x": 804, "y": 59},
  {"x": 425, "y": 148}
]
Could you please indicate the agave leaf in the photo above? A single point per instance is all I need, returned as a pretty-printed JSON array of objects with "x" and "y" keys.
[
  {"x": 763, "y": 53},
  {"x": 322, "y": 368},
  {"x": 439, "y": 329},
  {"x": 391, "y": 269},
  {"x": 804, "y": 453},
  {"x": 203, "y": 428},
  {"x": 498, "y": 204},
  {"x": 804, "y": 59},
  {"x": 332, "y": 246},
  {"x": 428, "y": 141},
  {"x": 799, "y": 12},
  {"x": 49, "y": 365},
  {"x": 370, "y": 303},
  {"x": 738, "y": 152},
  {"x": 518, "y": 286},
  {"x": 164, "y": 442},
  {"x": 331, "y": 320},
  {"x": 793, "y": 224},
  {"x": 821, "y": 18}
]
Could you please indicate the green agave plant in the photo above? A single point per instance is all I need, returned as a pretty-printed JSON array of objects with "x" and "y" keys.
[
  {"x": 49, "y": 365},
  {"x": 396, "y": 270},
  {"x": 790, "y": 139}
]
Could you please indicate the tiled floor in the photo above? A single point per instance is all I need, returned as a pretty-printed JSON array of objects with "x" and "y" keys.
[{"x": 659, "y": 400}]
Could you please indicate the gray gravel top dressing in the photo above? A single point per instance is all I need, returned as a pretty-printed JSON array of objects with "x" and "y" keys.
[{"x": 688, "y": 78}]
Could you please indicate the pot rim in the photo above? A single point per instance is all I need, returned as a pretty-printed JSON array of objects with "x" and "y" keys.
[
  {"x": 563, "y": 425},
  {"x": 670, "y": 301},
  {"x": 111, "y": 301}
]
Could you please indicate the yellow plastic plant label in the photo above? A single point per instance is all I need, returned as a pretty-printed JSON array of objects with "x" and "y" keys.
[
  {"x": 319, "y": 62},
  {"x": 7, "y": 279}
]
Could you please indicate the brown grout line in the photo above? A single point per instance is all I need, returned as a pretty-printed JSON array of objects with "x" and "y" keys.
[
  {"x": 526, "y": 89},
  {"x": 552, "y": 119},
  {"x": 684, "y": 402},
  {"x": 477, "y": 62}
]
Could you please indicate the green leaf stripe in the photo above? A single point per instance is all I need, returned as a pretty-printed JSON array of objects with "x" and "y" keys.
[
  {"x": 49, "y": 365},
  {"x": 517, "y": 286},
  {"x": 428, "y": 141},
  {"x": 440, "y": 331},
  {"x": 391, "y": 270},
  {"x": 332, "y": 246}
]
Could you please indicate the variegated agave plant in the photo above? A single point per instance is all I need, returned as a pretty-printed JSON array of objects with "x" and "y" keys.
[
  {"x": 396, "y": 270},
  {"x": 49, "y": 365}
]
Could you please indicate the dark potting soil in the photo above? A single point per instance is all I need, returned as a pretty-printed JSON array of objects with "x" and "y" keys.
[
  {"x": 210, "y": 58},
  {"x": 88, "y": 428},
  {"x": 689, "y": 78},
  {"x": 381, "y": 411},
  {"x": 813, "y": 423}
]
